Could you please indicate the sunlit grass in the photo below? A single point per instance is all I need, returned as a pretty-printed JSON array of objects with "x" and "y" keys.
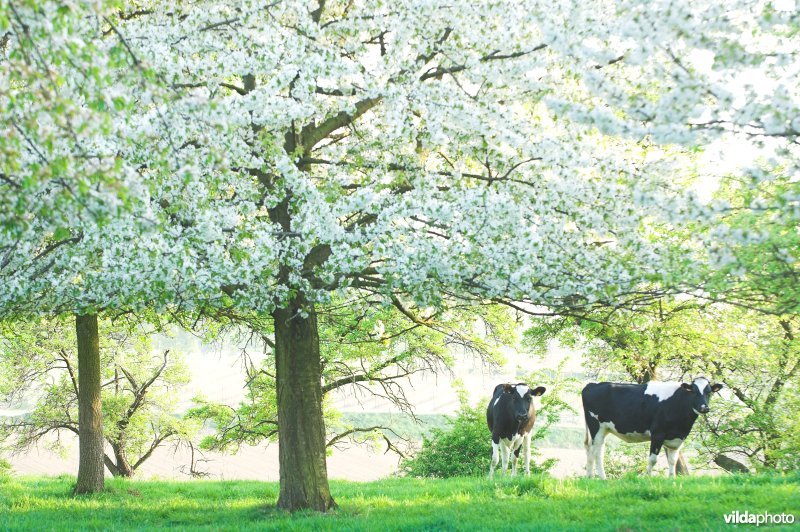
[{"x": 401, "y": 504}]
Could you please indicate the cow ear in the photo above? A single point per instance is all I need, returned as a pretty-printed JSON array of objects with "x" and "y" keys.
[
  {"x": 716, "y": 387},
  {"x": 539, "y": 391},
  {"x": 687, "y": 387}
]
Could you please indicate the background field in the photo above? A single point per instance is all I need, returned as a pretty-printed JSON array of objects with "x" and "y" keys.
[{"x": 536, "y": 503}]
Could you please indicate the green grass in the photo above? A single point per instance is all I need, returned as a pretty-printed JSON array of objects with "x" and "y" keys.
[{"x": 537, "y": 503}]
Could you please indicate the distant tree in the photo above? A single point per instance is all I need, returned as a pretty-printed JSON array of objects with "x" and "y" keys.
[
  {"x": 758, "y": 358},
  {"x": 140, "y": 388},
  {"x": 755, "y": 354},
  {"x": 78, "y": 233},
  {"x": 638, "y": 343}
]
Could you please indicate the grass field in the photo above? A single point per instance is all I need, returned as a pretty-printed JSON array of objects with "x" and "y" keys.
[{"x": 537, "y": 503}]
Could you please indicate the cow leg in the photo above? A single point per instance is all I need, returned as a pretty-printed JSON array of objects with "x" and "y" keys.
[
  {"x": 594, "y": 435},
  {"x": 495, "y": 458},
  {"x": 505, "y": 450},
  {"x": 655, "y": 448},
  {"x": 526, "y": 448},
  {"x": 672, "y": 458},
  {"x": 587, "y": 444},
  {"x": 599, "y": 448},
  {"x": 515, "y": 458}
]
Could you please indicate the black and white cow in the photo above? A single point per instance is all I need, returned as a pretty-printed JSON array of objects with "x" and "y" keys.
[
  {"x": 511, "y": 415},
  {"x": 662, "y": 413}
]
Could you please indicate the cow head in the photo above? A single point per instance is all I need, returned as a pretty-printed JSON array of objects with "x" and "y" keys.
[
  {"x": 701, "y": 390},
  {"x": 522, "y": 395}
]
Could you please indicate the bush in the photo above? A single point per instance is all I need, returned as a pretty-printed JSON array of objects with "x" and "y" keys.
[
  {"x": 624, "y": 459},
  {"x": 464, "y": 448},
  {"x": 5, "y": 468}
]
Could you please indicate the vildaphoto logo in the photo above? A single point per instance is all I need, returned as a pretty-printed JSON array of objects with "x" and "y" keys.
[{"x": 765, "y": 518}]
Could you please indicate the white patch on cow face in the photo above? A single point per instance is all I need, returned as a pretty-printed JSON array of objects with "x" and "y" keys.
[
  {"x": 497, "y": 400},
  {"x": 701, "y": 384},
  {"x": 662, "y": 390},
  {"x": 522, "y": 389},
  {"x": 594, "y": 416}
]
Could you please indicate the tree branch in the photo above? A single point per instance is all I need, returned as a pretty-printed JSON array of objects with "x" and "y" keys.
[
  {"x": 313, "y": 134},
  {"x": 63, "y": 355},
  {"x": 55, "y": 245},
  {"x": 439, "y": 71}
]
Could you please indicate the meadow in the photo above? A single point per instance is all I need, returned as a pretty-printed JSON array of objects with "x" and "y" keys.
[{"x": 535, "y": 503}]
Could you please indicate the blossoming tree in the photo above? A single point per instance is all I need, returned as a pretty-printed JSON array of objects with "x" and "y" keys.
[{"x": 272, "y": 154}]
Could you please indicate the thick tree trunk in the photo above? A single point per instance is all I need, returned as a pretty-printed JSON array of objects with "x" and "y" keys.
[
  {"x": 90, "y": 416},
  {"x": 301, "y": 428}
]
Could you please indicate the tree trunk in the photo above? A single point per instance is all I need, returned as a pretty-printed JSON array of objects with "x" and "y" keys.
[
  {"x": 730, "y": 465},
  {"x": 122, "y": 465},
  {"x": 90, "y": 415},
  {"x": 648, "y": 373},
  {"x": 301, "y": 428},
  {"x": 681, "y": 467}
]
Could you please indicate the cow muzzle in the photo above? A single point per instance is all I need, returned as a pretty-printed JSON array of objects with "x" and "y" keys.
[
  {"x": 521, "y": 419},
  {"x": 703, "y": 409}
]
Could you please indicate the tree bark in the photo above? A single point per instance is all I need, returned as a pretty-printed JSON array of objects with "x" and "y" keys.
[
  {"x": 730, "y": 465},
  {"x": 301, "y": 428},
  {"x": 681, "y": 467},
  {"x": 122, "y": 465},
  {"x": 112, "y": 467},
  {"x": 90, "y": 416}
]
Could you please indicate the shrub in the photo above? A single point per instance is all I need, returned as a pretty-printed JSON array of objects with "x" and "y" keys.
[
  {"x": 5, "y": 468},
  {"x": 624, "y": 459},
  {"x": 464, "y": 448}
]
